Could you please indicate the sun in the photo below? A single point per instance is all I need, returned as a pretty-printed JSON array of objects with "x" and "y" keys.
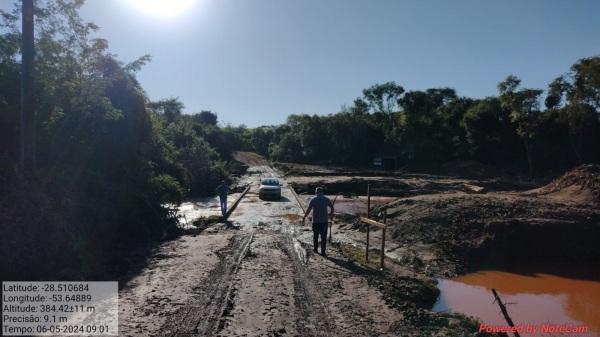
[{"x": 163, "y": 8}]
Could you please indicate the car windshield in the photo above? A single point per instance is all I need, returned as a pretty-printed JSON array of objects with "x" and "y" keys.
[{"x": 270, "y": 182}]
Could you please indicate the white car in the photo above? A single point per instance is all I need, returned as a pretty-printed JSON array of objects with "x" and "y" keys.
[{"x": 270, "y": 188}]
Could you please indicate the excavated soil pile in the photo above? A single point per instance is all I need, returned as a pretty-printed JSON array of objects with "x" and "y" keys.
[
  {"x": 467, "y": 231},
  {"x": 581, "y": 184}
]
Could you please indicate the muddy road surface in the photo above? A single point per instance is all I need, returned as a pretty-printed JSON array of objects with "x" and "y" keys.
[{"x": 251, "y": 276}]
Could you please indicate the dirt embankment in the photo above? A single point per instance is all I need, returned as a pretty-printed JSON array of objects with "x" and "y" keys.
[
  {"x": 402, "y": 186},
  {"x": 580, "y": 185},
  {"x": 559, "y": 222},
  {"x": 466, "y": 169},
  {"x": 307, "y": 170},
  {"x": 444, "y": 226},
  {"x": 305, "y": 178},
  {"x": 250, "y": 158}
]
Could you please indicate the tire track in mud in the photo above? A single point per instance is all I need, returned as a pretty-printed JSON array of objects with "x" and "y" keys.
[
  {"x": 326, "y": 308},
  {"x": 312, "y": 315},
  {"x": 273, "y": 294},
  {"x": 201, "y": 315}
]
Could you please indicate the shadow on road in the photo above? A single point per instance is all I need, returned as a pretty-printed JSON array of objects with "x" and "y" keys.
[{"x": 350, "y": 266}]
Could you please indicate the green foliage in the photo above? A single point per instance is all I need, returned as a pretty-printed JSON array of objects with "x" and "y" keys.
[
  {"x": 260, "y": 140},
  {"x": 166, "y": 188},
  {"x": 489, "y": 132},
  {"x": 194, "y": 147},
  {"x": 584, "y": 129},
  {"x": 108, "y": 160},
  {"x": 383, "y": 97},
  {"x": 585, "y": 85},
  {"x": 206, "y": 117},
  {"x": 556, "y": 92},
  {"x": 170, "y": 108}
]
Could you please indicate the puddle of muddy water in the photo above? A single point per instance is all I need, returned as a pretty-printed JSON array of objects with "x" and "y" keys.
[
  {"x": 292, "y": 217},
  {"x": 534, "y": 299},
  {"x": 192, "y": 209}
]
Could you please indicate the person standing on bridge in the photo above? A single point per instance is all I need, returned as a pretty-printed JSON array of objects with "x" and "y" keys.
[
  {"x": 222, "y": 191},
  {"x": 318, "y": 205}
]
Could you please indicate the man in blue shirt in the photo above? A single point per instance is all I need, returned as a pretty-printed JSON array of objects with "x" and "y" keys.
[
  {"x": 318, "y": 205},
  {"x": 222, "y": 191}
]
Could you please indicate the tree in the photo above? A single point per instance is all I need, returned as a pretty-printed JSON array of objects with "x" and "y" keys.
[
  {"x": 260, "y": 139},
  {"x": 584, "y": 130},
  {"x": 423, "y": 134},
  {"x": 581, "y": 87},
  {"x": 287, "y": 148},
  {"x": 524, "y": 111},
  {"x": 206, "y": 117},
  {"x": 486, "y": 126},
  {"x": 586, "y": 82},
  {"x": 556, "y": 92},
  {"x": 383, "y": 97},
  {"x": 27, "y": 110},
  {"x": 171, "y": 108},
  {"x": 108, "y": 160},
  {"x": 451, "y": 116},
  {"x": 359, "y": 107}
]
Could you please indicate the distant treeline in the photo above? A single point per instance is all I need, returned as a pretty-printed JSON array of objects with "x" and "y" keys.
[
  {"x": 108, "y": 159},
  {"x": 522, "y": 129}
]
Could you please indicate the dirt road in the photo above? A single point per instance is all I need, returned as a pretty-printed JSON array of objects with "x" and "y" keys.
[{"x": 251, "y": 276}]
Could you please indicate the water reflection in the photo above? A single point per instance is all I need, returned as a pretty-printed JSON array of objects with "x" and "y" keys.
[
  {"x": 533, "y": 298},
  {"x": 193, "y": 209}
]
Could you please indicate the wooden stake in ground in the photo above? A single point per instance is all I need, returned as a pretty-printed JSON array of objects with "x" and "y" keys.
[
  {"x": 368, "y": 217},
  {"x": 27, "y": 141},
  {"x": 368, "y": 201},
  {"x": 504, "y": 311},
  {"x": 235, "y": 203},
  {"x": 367, "y": 251},
  {"x": 383, "y": 238},
  {"x": 375, "y": 224}
]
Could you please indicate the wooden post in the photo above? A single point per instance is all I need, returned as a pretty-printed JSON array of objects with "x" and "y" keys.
[
  {"x": 235, "y": 203},
  {"x": 368, "y": 217},
  {"x": 504, "y": 312},
  {"x": 27, "y": 141},
  {"x": 299, "y": 200},
  {"x": 331, "y": 220},
  {"x": 367, "y": 252},
  {"x": 368, "y": 201},
  {"x": 377, "y": 224},
  {"x": 383, "y": 238}
]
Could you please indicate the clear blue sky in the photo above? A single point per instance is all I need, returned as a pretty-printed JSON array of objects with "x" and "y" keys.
[{"x": 254, "y": 62}]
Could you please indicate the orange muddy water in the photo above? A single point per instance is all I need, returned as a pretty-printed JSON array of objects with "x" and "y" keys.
[{"x": 532, "y": 298}]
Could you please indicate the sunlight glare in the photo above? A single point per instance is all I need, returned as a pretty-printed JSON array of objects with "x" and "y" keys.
[{"x": 163, "y": 8}]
